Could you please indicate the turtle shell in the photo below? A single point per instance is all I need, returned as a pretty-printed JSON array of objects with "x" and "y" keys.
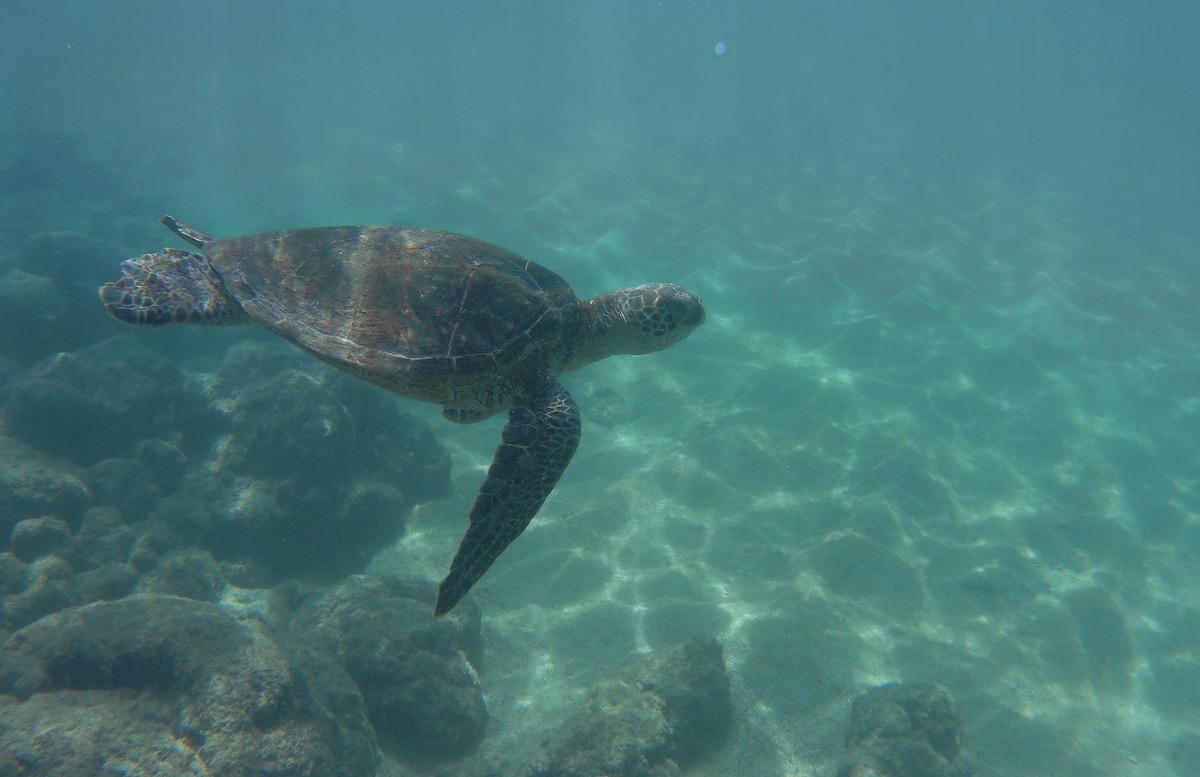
[{"x": 396, "y": 300}]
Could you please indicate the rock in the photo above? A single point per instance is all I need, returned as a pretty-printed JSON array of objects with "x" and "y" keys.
[
  {"x": 33, "y": 538},
  {"x": 150, "y": 547},
  {"x": 124, "y": 484},
  {"x": 164, "y": 463},
  {"x": 190, "y": 573},
  {"x": 50, "y": 587},
  {"x": 98, "y": 402},
  {"x": 325, "y": 420},
  {"x": 92, "y": 733},
  {"x": 668, "y": 712},
  {"x": 109, "y": 582},
  {"x": 317, "y": 475},
  {"x": 904, "y": 730},
  {"x": 103, "y": 538},
  {"x": 14, "y": 574},
  {"x": 32, "y": 485},
  {"x": 249, "y": 362},
  {"x": 97, "y": 552},
  {"x": 414, "y": 672},
  {"x": 161, "y": 685},
  {"x": 312, "y": 481}
]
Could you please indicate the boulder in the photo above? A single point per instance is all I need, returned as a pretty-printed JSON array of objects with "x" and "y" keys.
[
  {"x": 904, "y": 730},
  {"x": 33, "y": 538},
  {"x": 160, "y": 685},
  {"x": 670, "y": 711},
  {"x": 49, "y": 587},
  {"x": 415, "y": 673}
]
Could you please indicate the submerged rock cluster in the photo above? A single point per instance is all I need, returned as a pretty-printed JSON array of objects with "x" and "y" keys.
[{"x": 118, "y": 472}]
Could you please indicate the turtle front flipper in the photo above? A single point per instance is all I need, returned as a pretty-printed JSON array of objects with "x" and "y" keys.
[{"x": 535, "y": 447}]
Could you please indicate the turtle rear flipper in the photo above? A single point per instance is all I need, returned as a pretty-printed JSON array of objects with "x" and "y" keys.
[
  {"x": 171, "y": 286},
  {"x": 535, "y": 448}
]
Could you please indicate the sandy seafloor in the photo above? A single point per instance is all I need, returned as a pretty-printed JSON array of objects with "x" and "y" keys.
[{"x": 942, "y": 423}]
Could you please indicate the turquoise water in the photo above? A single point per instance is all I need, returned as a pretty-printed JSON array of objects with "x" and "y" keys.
[{"x": 942, "y": 422}]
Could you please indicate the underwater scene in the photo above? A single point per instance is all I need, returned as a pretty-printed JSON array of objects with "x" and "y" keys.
[{"x": 797, "y": 389}]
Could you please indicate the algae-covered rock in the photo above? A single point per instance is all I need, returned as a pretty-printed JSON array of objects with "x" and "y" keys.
[
  {"x": 904, "y": 730},
  {"x": 33, "y": 485},
  {"x": 33, "y": 538},
  {"x": 414, "y": 672},
  {"x": 65, "y": 568},
  {"x": 316, "y": 475},
  {"x": 146, "y": 678},
  {"x": 291, "y": 422},
  {"x": 63, "y": 733},
  {"x": 103, "y": 538},
  {"x": 190, "y": 572},
  {"x": 671, "y": 710},
  {"x": 14, "y": 574},
  {"x": 49, "y": 587}
]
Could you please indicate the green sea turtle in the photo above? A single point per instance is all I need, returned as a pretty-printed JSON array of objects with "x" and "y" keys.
[{"x": 430, "y": 315}]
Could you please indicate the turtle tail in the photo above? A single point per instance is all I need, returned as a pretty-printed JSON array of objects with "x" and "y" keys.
[{"x": 171, "y": 286}]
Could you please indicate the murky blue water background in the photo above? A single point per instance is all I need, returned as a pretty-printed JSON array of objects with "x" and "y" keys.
[{"x": 943, "y": 421}]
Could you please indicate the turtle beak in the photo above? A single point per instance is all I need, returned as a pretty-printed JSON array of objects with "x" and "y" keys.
[{"x": 695, "y": 307}]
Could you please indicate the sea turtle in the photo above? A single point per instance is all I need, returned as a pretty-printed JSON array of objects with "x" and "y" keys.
[{"x": 430, "y": 315}]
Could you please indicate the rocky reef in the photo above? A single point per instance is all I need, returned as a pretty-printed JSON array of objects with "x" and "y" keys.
[
  {"x": 161, "y": 685},
  {"x": 272, "y": 471}
]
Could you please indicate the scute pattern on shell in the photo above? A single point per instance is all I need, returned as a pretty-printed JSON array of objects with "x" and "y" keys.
[{"x": 389, "y": 298}]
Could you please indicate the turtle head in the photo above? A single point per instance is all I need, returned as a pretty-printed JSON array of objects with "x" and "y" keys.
[{"x": 648, "y": 318}]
